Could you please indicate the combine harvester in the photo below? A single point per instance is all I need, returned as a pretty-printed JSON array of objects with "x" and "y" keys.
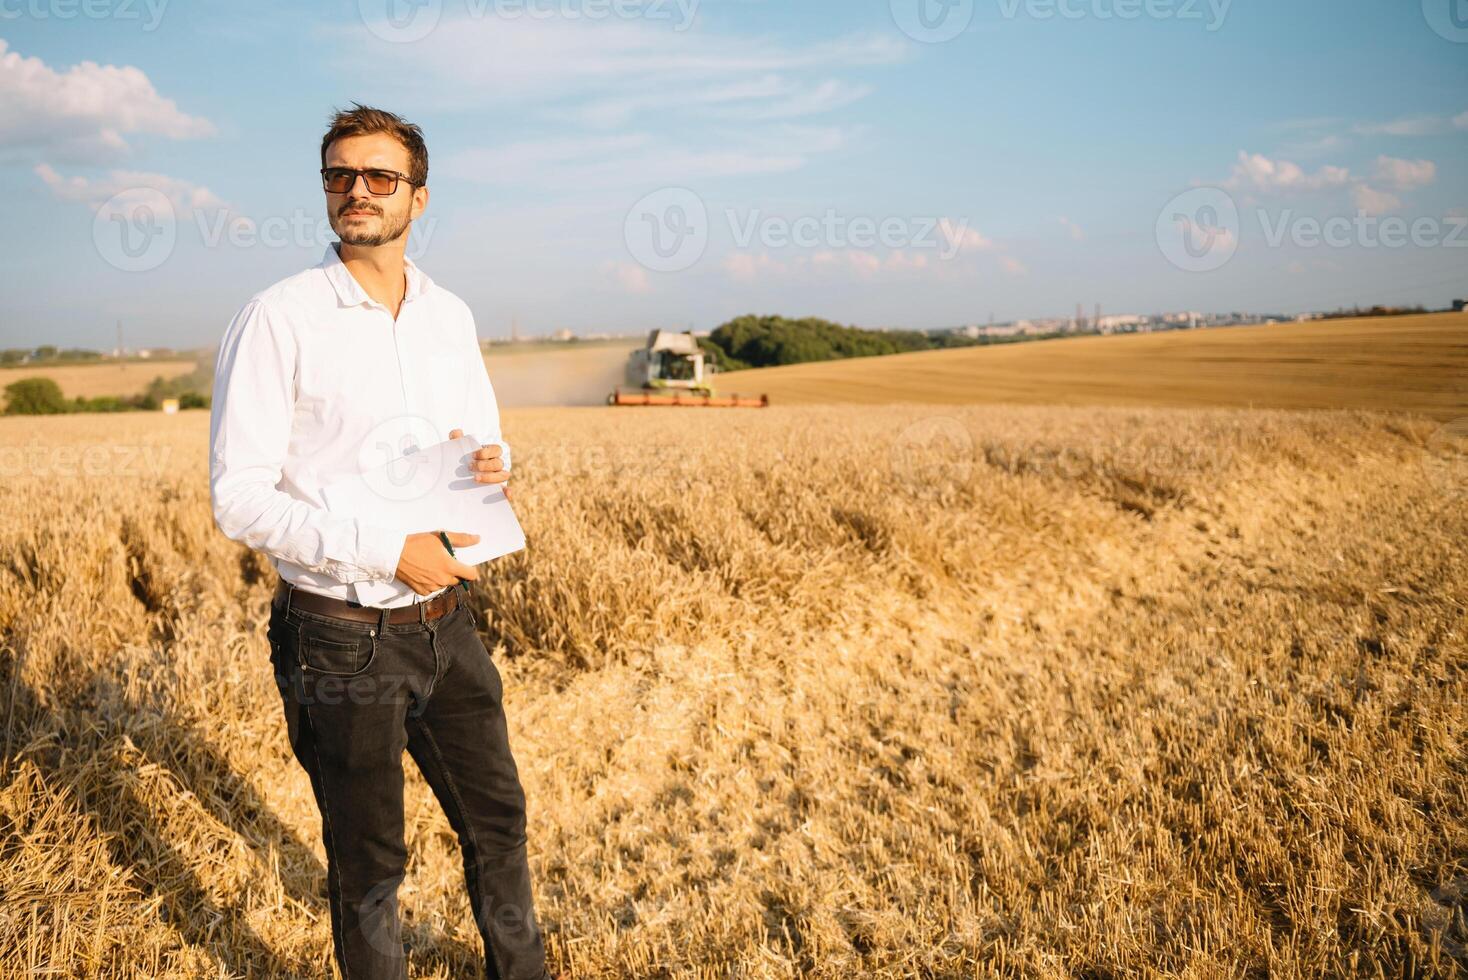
[{"x": 671, "y": 370}]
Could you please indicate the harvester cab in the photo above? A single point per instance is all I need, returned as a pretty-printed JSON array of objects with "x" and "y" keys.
[{"x": 672, "y": 369}]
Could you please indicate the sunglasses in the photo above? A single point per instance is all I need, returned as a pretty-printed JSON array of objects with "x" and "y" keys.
[{"x": 380, "y": 183}]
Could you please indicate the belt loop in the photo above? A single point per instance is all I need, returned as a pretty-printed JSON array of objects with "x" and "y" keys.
[
  {"x": 422, "y": 612},
  {"x": 382, "y": 622},
  {"x": 289, "y": 591}
]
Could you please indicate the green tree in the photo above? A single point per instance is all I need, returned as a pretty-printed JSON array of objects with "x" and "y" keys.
[{"x": 34, "y": 396}]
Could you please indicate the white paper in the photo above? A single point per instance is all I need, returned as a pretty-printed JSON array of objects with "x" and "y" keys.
[{"x": 430, "y": 489}]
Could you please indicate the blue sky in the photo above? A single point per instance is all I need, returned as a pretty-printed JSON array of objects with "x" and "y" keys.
[{"x": 1029, "y": 162}]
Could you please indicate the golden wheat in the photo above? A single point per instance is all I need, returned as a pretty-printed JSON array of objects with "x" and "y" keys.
[
  {"x": 831, "y": 692},
  {"x": 95, "y": 380},
  {"x": 1397, "y": 364}
]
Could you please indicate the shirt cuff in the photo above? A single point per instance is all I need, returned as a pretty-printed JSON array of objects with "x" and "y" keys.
[{"x": 381, "y": 548}]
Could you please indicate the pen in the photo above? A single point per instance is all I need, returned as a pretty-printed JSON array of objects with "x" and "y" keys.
[{"x": 450, "y": 548}]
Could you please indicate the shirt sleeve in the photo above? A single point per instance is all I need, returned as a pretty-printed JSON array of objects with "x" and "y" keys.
[
  {"x": 249, "y": 435},
  {"x": 483, "y": 409}
]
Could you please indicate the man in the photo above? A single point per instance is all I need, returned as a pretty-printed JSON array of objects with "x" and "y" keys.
[{"x": 323, "y": 376}]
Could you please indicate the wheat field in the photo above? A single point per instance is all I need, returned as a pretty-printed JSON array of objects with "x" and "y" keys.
[
  {"x": 835, "y": 692},
  {"x": 1413, "y": 364},
  {"x": 123, "y": 379}
]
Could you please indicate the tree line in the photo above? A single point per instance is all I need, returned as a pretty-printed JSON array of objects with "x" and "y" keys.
[
  {"x": 43, "y": 396},
  {"x": 767, "y": 341}
]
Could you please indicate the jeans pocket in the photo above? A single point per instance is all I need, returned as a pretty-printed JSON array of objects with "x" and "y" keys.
[{"x": 340, "y": 650}]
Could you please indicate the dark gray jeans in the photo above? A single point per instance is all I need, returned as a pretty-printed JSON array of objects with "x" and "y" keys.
[{"x": 356, "y": 695}]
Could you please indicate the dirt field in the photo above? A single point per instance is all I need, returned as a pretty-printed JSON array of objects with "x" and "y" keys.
[
  {"x": 836, "y": 692},
  {"x": 539, "y": 376},
  {"x": 1398, "y": 364},
  {"x": 94, "y": 380}
]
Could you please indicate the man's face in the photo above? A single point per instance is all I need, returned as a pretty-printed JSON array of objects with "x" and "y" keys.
[{"x": 357, "y": 216}]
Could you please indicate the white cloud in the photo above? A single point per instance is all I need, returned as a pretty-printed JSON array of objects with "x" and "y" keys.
[
  {"x": 84, "y": 113},
  {"x": 900, "y": 260},
  {"x": 1407, "y": 126},
  {"x": 1374, "y": 202},
  {"x": 632, "y": 278},
  {"x": 1013, "y": 266},
  {"x": 1076, "y": 233},
  {"x": 743, "y": 267},
  {"x": 958, "y": 236},
  {"x": 640, "y": 159},
  {"x": 765, "y": 98},
  {"x": 618, "y": 69},
  {"x": 94, "y": 192},
  {"x": 683, "y": 105},
  {"x": 865, "y": 263},
  {"x": 1258, "y": 172},
  {"x": 1461, "y": 122},
  {"x": 1405, "y": 175}
]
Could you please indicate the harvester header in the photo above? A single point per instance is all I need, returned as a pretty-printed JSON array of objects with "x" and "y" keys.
[{"x": 672, "y": 369}]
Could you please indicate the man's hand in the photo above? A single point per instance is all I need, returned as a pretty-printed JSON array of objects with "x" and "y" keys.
[
  {"x": 425, "y": 566},
  {"x": 487, "y": 464}
]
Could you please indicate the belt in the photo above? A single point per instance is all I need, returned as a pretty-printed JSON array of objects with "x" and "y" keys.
[{"x": 289, "y": 597}]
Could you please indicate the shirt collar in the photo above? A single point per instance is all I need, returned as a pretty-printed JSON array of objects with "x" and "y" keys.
[{"x": 351, "y": 293}]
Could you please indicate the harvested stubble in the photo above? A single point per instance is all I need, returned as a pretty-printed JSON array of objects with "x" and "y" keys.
[{"x": 827, "y": 692}]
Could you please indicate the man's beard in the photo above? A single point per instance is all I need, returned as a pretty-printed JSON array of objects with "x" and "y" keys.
[{"x": 362, "y": 238}]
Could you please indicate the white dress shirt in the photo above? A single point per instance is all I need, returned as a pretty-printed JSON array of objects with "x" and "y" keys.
[{"x": 315, "y": 383}]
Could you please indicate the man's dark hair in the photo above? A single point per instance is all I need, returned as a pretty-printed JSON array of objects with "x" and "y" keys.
[{"x": 361, "y": 120}]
